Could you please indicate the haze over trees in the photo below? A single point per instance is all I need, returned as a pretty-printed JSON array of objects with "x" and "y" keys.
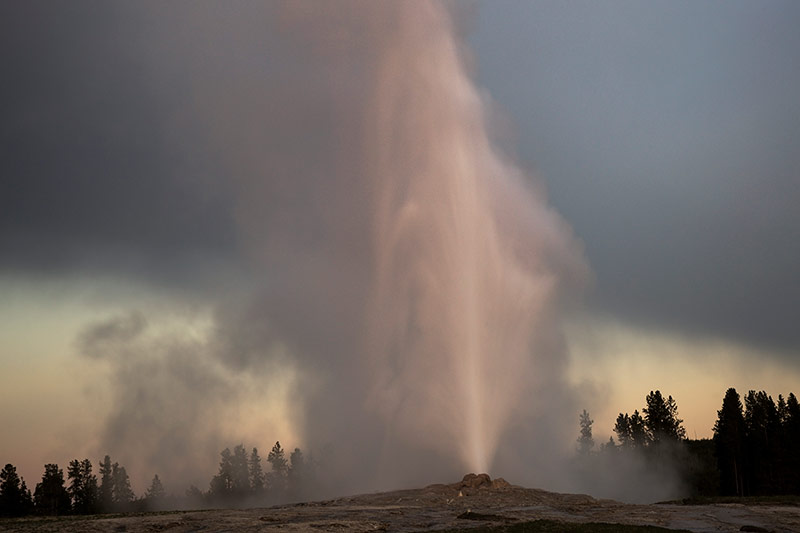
[
  {"x": 755, "y": 449},
  {"x": 240, "y": 481},
  {"x": 585, "y": 441}
]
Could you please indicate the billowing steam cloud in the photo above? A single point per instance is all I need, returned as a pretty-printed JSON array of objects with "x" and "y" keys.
[{"x": 408, "y": 278}]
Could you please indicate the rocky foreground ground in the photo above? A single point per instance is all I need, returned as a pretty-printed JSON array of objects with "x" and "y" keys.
[{"x": 477, "y": 502}]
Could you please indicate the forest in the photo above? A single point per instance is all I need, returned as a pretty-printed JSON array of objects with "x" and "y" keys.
[
  {"x": 754, "y": 452},
  {"x": 241, "y": 481}
]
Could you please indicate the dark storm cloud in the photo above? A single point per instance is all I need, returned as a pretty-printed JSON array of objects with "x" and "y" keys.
[
  {"x": 91, "y": 170},
  {"x": 669, "y": 136}
]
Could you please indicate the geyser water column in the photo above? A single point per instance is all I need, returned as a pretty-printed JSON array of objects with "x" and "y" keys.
[{"x": 468, "y": 260}]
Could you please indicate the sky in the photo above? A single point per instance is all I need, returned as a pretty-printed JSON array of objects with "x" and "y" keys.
[{"x": 140, "y": 263}]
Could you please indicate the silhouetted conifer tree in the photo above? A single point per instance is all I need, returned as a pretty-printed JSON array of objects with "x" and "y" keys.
[
  {"x": 622, "y": 428},
  {"x": 782, "y": 470},
  {"x": 156, "y": 490},
  {"x": 729, "y": 434},
  {"x": 256, "y": 473},
  {"x": 661, "y": 419},
  {"x": 792, "y": 432},
  {"x": 240, "y": 473},
  {"x": 105, "y": 499},
  {"x": 298, "y": 474},
  {"x": 82, "y": 489},
  {"x": 51, "y": 497},
  {"x": 639, "y": 436},
  {"x": 222, "y": 484},
  {"x": 27, "y": 499},
  {"x": 15, "y": 498},
  {"x": 277, "y": 477},
  {"x": 630, "y": 430},
  {"x": 121, "y": 493},
  {"x": 585, "y": 441},
  {"x": 761, "y": 441}
]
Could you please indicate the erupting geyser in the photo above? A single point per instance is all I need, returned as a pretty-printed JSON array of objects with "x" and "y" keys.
[
  {"x": 404, "y": 279},
  {"x": 414, "y": 274},
  {"x": 468, "y": 260}
]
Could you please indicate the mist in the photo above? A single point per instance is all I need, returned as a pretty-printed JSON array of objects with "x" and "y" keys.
[{"x": 406, "y": 281}]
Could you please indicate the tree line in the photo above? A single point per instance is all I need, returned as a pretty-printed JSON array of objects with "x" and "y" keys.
[
  {"x": 755, "y": 449},
  {"x": 82, "y": 494},
  {"x": 758, "y": 444},
  {"x": 240, "y": 481}
]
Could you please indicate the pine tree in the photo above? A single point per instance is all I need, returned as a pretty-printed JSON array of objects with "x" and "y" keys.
[
  {"x": 661, "y": 419},
  {"x": 639, "y": 436},
  {"x": 27, "y": 498},
  {"x": 761, "y": 441},
  {"x": 106, "y": 485},
  {"x": 585, "y": 441},
  {"x": 277, "y": 459},
  {"x": 792, "y": 432},
  {"x": 156, "y": 490},
  {"x": 51, "y": 497},
  {"x": 90, "y": 488},
  {"x": 630, "y": 430},
  {"x": 75, "y": 488},
  {"x": 240, "y": 473},
  {"x": 298, "y": 474},
  {"x": 222, "y": 484},
  {"x": 256, "y": 472},
  {"x": 121, "y": 493},
  {"x": 12, "y": 494},
  {"x": 622, "y": 428},
  {"x": 82, "y": 487},
  {"x": 277, "y": 477},
  {"x": 729, "y": 434},
  {"x": 781, "y": 461}
]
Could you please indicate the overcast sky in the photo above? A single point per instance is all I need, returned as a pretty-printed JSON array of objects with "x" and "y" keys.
[
  {"x": 667, "y": 132},
  {"x": 667, "y": 135}
]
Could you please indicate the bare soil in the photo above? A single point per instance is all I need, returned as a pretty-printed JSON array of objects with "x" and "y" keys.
[{"x": 474, "y": 503}]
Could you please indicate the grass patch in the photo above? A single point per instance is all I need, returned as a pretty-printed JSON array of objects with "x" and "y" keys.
[
  {"x": 786, "y": 499},
  {"x": 33, "y": 522},
  {"x": 554, "y": 526}
]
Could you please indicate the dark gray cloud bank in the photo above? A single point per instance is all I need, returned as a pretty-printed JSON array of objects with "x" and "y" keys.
[
  {"x": 93, "y": 176},
  {"x": 668, "y": 134}
]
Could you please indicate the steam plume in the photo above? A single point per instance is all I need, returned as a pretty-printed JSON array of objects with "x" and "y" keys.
[
  {"x": 468, "y": 263},
  {"x": 412, "y": 273}
]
